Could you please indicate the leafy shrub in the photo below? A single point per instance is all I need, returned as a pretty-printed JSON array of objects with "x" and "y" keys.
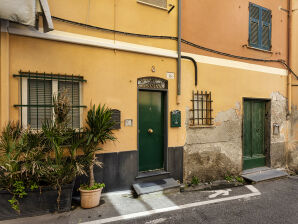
[{"x": 30, "y": 159}]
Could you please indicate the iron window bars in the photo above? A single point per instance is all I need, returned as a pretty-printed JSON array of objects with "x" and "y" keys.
[
  {"x": 39, "y": 95},
  {"x": 201, "y": 112}
]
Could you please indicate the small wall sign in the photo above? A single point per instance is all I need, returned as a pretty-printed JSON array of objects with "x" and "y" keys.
[
  {"x": 170, "y": 75},
  {"x": 128, "y": 122}
]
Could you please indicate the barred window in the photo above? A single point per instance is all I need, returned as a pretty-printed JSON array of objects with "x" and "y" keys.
[
  {"x": 201, "y": 112},
  {"x": 40, "y": 99},
  {"x": 259, "y": 27},
  {"x": 72, "y": 91},
  {"x": 156, "y": 3},
  {"x": 37, "y": 91}
]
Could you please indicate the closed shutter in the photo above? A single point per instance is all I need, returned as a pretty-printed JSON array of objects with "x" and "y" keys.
[
  {"x": 254, "y": 25},
  {"x": 259, "y": 27},
  {"x": 157, "y": 3},
  {"x": 39, "y": 102},
  {"x": 266, "y": 29},
  {"x": 72, "y": 91}
]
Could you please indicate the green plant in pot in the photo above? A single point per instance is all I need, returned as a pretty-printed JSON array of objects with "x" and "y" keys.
[
  {"x": 98, "y": 131},
  {"x": 44, "y": 159}
]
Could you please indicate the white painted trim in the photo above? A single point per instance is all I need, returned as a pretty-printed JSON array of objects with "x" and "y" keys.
[
  {"x": 92, "y": 41},
  {"x": 236, "y": 64},
  {"x": 152, "y": 5},
  {"x": 255, "y": 192},
  {"x": 136, "y": 48}
]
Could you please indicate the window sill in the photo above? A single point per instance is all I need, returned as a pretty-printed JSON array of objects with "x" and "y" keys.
[
  {"x": 257, "y": 49},
  {"x": 202, "y": 126},
  {"x": 155, "y": 6}
]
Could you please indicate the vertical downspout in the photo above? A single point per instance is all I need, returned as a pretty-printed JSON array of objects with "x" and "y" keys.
[
  {"x": 179, "y": 54},
  {"x": 289, "y": 56}
]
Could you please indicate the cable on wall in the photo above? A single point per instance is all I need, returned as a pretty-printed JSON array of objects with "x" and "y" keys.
[{"x": 280, "y": 61}]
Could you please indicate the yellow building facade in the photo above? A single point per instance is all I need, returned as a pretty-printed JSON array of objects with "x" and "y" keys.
[{"x": 117, "y": 69}]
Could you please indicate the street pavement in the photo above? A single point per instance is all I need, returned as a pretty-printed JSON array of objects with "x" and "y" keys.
[{"x": 266, "y": 202}]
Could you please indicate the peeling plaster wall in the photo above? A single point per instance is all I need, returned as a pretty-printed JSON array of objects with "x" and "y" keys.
[
  {"x": 278, "y": 141},
  {"x": 213, "y": 152}
]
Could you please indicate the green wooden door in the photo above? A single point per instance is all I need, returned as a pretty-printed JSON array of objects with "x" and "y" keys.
[
  {"x": 254, "y": 134},
  {"x": 151, "y": 130}
]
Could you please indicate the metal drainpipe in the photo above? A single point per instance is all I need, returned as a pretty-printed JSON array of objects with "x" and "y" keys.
[
  {"x": 195, "y": 66},
  {"x": 179, "y": 54},
  {"x": 289, "y": 56}
]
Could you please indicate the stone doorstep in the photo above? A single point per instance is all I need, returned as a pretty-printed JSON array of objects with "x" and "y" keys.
[
  {"x": 264, "y": 175},
  {"x": 216, "y": 185},
  {"x": 254, "y": 170},
  {"x": 168, "y": 185}
]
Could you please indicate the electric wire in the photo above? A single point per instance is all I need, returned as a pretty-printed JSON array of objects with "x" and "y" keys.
[{"x": 176, "y": 39}]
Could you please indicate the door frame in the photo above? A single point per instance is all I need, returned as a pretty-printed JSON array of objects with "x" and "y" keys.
[
  {"x": 267, "y": 126},
  {"x": 165, "y": 97}
]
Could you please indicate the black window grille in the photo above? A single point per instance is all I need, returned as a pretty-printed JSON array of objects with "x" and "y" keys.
[
  {"x": 201, "y": 112},
  {"x": 37, "y": 105}
]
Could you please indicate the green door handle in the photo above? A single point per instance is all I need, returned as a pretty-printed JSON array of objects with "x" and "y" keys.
[{"x": 150, "y": 131}]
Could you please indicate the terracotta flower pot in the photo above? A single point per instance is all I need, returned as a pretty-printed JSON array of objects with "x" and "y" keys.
[{"x": 90, "y": 198}]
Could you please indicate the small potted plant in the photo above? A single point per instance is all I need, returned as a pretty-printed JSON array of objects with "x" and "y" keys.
[{"x": 98, "y": 131}]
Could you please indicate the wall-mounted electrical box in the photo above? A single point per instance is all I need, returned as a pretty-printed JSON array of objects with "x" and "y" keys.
[{"x": 175, "y": 118}]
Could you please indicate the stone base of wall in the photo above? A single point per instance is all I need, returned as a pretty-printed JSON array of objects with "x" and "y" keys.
[
  {"x": 278, "y": 155},
  {"x": 215, "y": 152},
  {"x": 293, "y": 157},
  {"x": 211, "y": 162},
  {"x": 293, "y": 141}
]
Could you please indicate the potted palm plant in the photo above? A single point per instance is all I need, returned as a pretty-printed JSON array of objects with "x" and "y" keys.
[
  {"x": 98, "y": 131},
  {"x": 38, "y": 167}
]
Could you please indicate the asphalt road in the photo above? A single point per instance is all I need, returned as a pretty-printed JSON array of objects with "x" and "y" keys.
[
  {"x": 275, "y": 203},
  {"x": 278, "y": 203}
]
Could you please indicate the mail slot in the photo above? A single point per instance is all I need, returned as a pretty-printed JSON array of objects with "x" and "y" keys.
[{"x": 175, "y": 118}]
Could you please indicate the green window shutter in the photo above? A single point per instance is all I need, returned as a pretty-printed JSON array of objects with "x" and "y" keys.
[
  {"x": 254, "y": 15},
  {"x": 266, "y": 29},
  {"x": 72, "y": 91},
  {"x": 39, "y": 102},
  {"x": 259, "y": 27}
]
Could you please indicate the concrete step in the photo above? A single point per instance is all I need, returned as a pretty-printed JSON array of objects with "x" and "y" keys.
[
  {"x": 263, "y": 174},
  {"x": 254, "y": 170},
  {"x": 165, "y": 185},
  {"x": 152, "y": 176}
]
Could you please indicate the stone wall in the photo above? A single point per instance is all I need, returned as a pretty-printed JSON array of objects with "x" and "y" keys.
[
  {"x": 278, "y": 140},
  {"x": 212, "y": 152}
]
